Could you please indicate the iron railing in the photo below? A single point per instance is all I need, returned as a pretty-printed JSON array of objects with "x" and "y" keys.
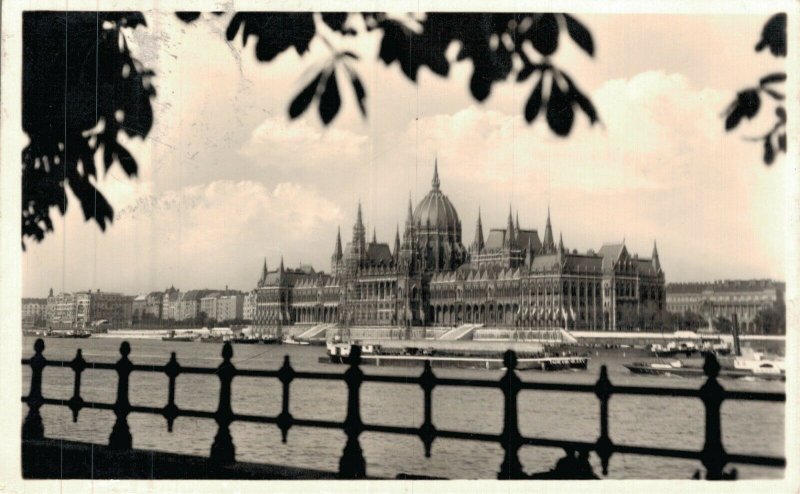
[{"x": 352, "y": 464}]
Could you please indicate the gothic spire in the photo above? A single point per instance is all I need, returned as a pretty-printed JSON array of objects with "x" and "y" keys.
[
  {"x": 397, "y": 244},
  {"x": 280, "y": 269},
  {"x": 478, "y": 243},
  {"x": 359, "y": 221},
  {"x": 337, "y": 251},
  {"x": 656, "y": 261},
  {"x": 435, "y": 181},
  {"x": 374, "y": 236},
  {"x": 561, "y": 242},
  {"x": 548, "y": 246},
  {"x": 517, "y": 223},
  {"x": 509, "y": 240}
]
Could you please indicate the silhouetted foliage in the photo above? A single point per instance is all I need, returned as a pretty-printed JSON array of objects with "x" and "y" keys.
[
  {"x": 771, "y": 320},
  {"x": 80, "y": 87},
  {"x": 748, "y": 101},
  {"x": 498, "y": 45}
]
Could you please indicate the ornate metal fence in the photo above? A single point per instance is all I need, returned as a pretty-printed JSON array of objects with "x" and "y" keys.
[{"x": 352, "y": 464}]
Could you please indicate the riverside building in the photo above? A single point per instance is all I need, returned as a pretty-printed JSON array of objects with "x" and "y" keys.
[{"x": 511, "y": 277}]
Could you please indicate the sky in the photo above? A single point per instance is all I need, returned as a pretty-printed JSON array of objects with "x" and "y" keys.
[{"x": 226, "y": 180}]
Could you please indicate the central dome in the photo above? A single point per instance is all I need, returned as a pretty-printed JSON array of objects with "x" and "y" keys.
[{"x": 435, "y": 211}]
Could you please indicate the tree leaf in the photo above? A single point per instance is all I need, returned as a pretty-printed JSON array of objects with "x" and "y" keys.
[
  {"x": 771, "y": 78},
  {"x": 526, "y": 72},
  {"x": 534, "y": 102},
  {"x": 774, "y": 36},
  {"x": 188, "y": 17},
  {"x": 583, "y": 102},
  {"x": 775, "y": 94},
  {"x": 330, "y": 101},
  {"x": 334, "y": 20},
  {"x": 361, "y": 94},
  {"x": 545, "y": 34},
  {"x": 769, "y": 152},
  {"x": 579, "y": 34},
  {"x": 559, "y": 110},
  {"x": 301, "y": 101}
]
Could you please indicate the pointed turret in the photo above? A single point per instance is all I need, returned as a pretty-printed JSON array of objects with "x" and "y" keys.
[
  {"x": 510, "y": 239},
  {"x": 374, "y": 236},
  {"x": 397, "y": 244},
  {"x": 359, "y": 221},
  {"x": 263, "y": 273},
  {"x": 655, "y": 260},
  {"x": 477, "y": 245},
  {"x": 435, "y": 181},
  {"x": 337, "y": 250},
  {"x": 548, "y": 245},
  {"x": 560, "y": 243},
  {"x": 516, "y": 226}
]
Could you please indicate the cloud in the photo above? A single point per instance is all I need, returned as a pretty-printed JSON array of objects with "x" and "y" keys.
[
  {"x": 198, "y": 236},
  {"x": 278, "y": 141}
]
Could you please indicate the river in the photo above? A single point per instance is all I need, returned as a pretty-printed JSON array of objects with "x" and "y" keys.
[{"x": 747, "y": 427}]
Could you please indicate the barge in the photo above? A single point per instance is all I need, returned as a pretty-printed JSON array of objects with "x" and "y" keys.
[{"x": 339, "y": 353}]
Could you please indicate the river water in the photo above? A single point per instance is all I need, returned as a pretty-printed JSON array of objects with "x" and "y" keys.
[{"x": 748, "y": 427}]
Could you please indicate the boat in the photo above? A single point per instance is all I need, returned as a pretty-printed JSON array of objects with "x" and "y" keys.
[
  {"x": 68, "y": 334},
  {"x": 289, "y": 340},
  {"x": 245, "y": 340},
  {"x": 270, "y": 340},
  {"x": 737, "y": 368},
  {"x": 173, "y": 336}
]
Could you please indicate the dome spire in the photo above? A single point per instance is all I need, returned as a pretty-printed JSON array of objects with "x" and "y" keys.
[{"x": 435, "y": 181}]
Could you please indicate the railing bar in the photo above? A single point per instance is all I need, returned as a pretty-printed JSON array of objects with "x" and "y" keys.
[
  {"x": 392, "y": 429},
  {"x": 413, "y": 380},
  {"x": 468, "y": 436},
  {"x": 770, "y": 461},
  {"x": 256, "y": 373}
]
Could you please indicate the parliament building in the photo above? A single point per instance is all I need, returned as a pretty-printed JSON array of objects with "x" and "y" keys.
[{"x": 508, "y": 278}]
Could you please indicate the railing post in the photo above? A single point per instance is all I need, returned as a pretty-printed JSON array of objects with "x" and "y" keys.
[
  {"x": 33, "y": 428},
  {"x": 170, "y": 412},
  {"x": 76, "y": 402},
  {"x": 511, "y": 439},
  {"x": 223, "y": 451},
  {"x": 121, "y": 434},
  {"x": 285, "y": 419},
  {"x": 604, "y": 447},
  {"x": 427, "y": 431},
  {"x": 352, "y": 464},
  {"x": 712, "y": 394}
]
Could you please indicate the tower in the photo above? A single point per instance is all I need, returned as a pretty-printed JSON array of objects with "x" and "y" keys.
[
  {"x": 655, "y": 260},
  {"x": 478, "y": 243},
  {"x": 359, "y": 244},
  {"x": 336, "y": 258},
  {"x": 548, "y": 244},
  {"x": 509, "y": 242}
]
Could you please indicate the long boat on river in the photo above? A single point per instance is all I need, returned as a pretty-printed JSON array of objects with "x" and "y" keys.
[
  {"x": 760, "y": 370},
  {"x": 339, "y": 353}
]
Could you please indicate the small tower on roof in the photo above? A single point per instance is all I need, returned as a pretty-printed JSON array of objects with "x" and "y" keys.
[
  {"x": 478, "y": 244},
  {"x": 435, "y": 181},
  {"x": 655, "y": 260},
  {"x": 548, "y": 244},
  {"x": 396, "y": 253},
  {"x": 509, "y": 240}
]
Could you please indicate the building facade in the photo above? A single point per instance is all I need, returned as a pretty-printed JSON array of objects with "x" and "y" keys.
[
  {"x": 230, "y": 306},
  {"x": 511, "y": 277},
  {"x": 33, "y": 312},
  {"x": 744, "y": 298}
]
